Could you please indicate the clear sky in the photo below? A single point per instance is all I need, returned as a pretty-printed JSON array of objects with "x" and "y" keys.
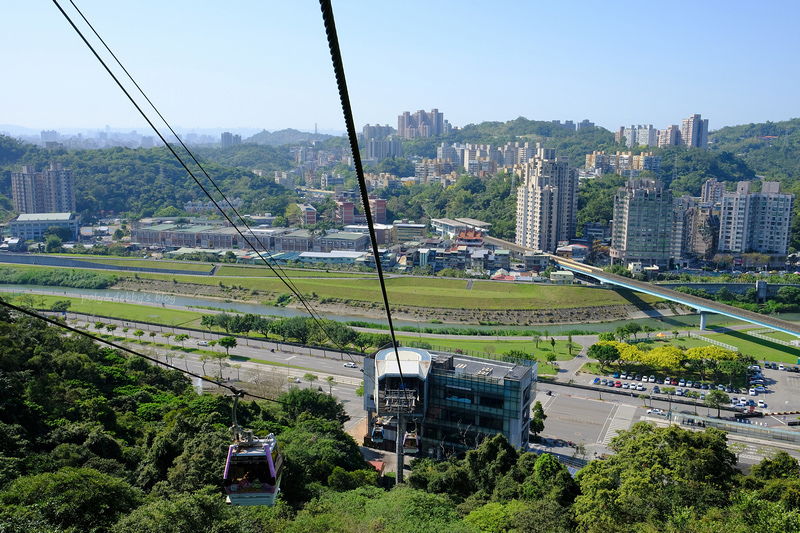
[{"x": 265, "y": 64}]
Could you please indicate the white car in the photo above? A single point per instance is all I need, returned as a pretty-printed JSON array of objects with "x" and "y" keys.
[
  {"x": 202, "y": 343},
  {"x": 752, "y": 392},
  {"x": 294, "y": 380},
  {"x": 655, "y": 412},
  {"x": 625, "y": 385},
  {"x": 781, "y": 367},
  {"x": 350, "y": 365},
  {"x": 760, "y": 388},
  {"x": 639, "y": 386},
  {"x": 652, "y": 379},
  {"x": 761, "y": 404}
]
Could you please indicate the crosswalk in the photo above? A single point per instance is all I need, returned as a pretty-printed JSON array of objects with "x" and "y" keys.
[{"x": 622, "y": 420}]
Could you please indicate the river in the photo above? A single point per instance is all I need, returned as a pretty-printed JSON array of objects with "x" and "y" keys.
[{"x": 199, "y": 303}]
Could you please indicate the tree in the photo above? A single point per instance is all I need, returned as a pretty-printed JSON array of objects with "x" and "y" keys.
[
  {"x": 223, "y": 320},
  {"x": 647, "y": 329},
  {"x": 65, "y": 234},
  {"x": 60, "y": 306},
  {"x": 110, "y": 328},
  {"x": 181, "y": 338},
  {"x": 604, "y": 352},
  {"x": 331, "y": 382},
  {"x": 138, "y": 333},
  {"x": 208, "y": 321},
  {"x": 363, "y": 340},
  {"x": 311, "y": 378},
  {"x": 633, "y": 328},
  {"x": 75, "y": 499},
  {"x": 228, "y": 343},
  {"x": 551, "y": 358},
  {"x": 606, "y": 336},
  {"x": 53, "y": 244},
  {"x": 98, "y": 325},
  {"x": 552, "y": 343},
  {"x": 536, "y": 337},
  {"x": 538, "y": 418},
  {"x": 167, "y": 335},
  {"x": 153, "y": 335},
  {"x": 327, "y": 407},
  {"x": 715, "y": 399},
  {"x": 125, "y": 331}
]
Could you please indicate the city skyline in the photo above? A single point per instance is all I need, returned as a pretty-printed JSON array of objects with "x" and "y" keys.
[{"x": 267, "y": 65}]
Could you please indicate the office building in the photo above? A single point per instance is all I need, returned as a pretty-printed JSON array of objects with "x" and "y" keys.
[
  {"x": 547, "y": 202},
  {"x": 451, "y": 402},
  {"x": 756, "y": 222},
  {"x": 643, "y": 215},
  {"x": 49, "y": 191}
]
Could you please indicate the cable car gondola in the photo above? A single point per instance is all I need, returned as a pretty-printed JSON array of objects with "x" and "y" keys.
[
  {"x": 254, "y": 467},
  {"x": 410, "y": 442},
  {"x": 377, "y": 434}
]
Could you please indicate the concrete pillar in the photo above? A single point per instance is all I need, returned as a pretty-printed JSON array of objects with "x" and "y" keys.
[
  {"x": 703, "y": 315},
  {"x": 399, "y": 447}
]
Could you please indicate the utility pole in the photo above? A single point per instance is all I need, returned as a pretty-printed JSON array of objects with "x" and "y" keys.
[{"x": 399, "y": 446}]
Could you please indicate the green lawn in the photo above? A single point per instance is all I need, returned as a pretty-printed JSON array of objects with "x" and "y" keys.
[
  {"x": 142, "y": 263},
  {"x": 293, "y": 273}
]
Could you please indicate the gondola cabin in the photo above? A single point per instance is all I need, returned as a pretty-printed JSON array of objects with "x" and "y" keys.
[
  {"x": 410, "y": 442},
  {"x": 253, "y": 471},
  {"x": 377, "y": 434}
]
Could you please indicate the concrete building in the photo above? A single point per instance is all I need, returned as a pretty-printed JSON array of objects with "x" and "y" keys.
[
  {"x": 669, "y": 137},
  {"x": 341, "y": 240},
  {"x": 421, "y": 124},
  {"x": 377, "y": 208},
  {"x": 345, "y": 211},
  {"x": 230, "y": 139},
  {"x": 547, "y": 202},
  {"x": 378, "y": 150},
  {"x": 308, "y": 214},
  {"x": 694, "y": 131},
  {"x": 49, "y": 191},
  {"x": 642, "y": 223},
  {"x": 712, "y": 191},
  {"x": 451, "y": 402},
  {"x": 31, "y": 226},
  {"x": 756, "y": 222},
  {"x": 404, "y": 231}
]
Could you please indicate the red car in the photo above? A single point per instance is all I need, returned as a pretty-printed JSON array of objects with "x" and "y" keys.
[{"x": 618, "y": 384}]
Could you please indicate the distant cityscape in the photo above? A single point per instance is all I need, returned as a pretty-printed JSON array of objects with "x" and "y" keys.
[{"x": 650, "y": 228}]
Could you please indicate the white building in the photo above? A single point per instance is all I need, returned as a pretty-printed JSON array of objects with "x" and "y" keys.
[{"x": 756, "y": 222}]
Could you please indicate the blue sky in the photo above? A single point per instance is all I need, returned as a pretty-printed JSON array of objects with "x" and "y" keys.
[{"x": 265, "y": 64}]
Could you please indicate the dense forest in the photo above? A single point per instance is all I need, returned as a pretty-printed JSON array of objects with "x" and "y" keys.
[{"x": 93, "y": 440}]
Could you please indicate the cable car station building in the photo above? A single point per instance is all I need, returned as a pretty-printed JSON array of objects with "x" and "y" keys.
[{"x": 451, "y": 401}]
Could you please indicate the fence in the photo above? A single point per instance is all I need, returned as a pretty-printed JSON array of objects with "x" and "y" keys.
[
  {"x": 712, "y": 341},
  {"x": 758, "y": 334}
]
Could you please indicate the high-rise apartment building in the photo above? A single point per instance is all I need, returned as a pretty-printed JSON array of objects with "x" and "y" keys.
[
  {"x": 376, "y": 132},
  {"x": 643, "y": 218},
  {"x": 49, "y": 191},
  {"x": 756, "y": 222},
  {"x": 421, "y": 124},
  {"x": 694, "y": 131},
  {"x": 230, "y": 139},
  {"x": 547, "y": 201},
  {"x": 669, "y": 137},
  {"x": 712, "y": 191}
]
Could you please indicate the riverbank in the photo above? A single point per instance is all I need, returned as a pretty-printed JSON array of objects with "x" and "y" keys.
[{"x": 373, "y": 311}]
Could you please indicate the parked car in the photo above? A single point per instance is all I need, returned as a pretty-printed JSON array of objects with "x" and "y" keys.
[
  {"x": 702, "y": 395},
  {"x": 652, "y": 379},
  {"x": 616, "y": 375},
  {"x": 682, "y": 382},
  {"x": 618, "y": 384},
  {"x": 781, "y": 367},
  {"x": 679, "y": 392},
  {"x": 596, "y": 381},
  {"x": 673, "y": 381},
  {"x": 657, "y": 389},
  {"x": 742, "y": 401},
  {"x": 603, "y": 382},
  {"x": 753, "y": 392},
  {"x": 625, "y": 385},
  {"x": 704, "y": 386},
  {"x": 761, "y": 404},
  {"x": 760, "y": 389},
  {"x": 639, "y": 386},
  {"x": 689, "y": 383}
]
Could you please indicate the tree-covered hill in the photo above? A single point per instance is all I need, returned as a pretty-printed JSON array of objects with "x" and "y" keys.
[
  {"x": 285, "y": 136},
  {"x": 93, "y": 440},
  {"x": 144, "y": 181},
  {"x": 772, "y": 149}
]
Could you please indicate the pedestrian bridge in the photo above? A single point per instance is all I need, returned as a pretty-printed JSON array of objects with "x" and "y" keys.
[{"x": 702, "y": 305}]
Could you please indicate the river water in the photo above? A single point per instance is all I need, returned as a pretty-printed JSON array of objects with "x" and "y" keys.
[{"x": 178, "y": 301}]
